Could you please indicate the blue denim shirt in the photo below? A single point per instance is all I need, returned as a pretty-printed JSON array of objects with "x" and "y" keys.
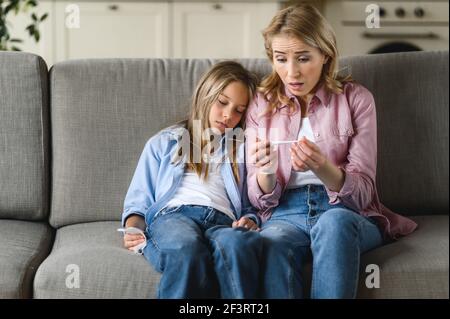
[{"x": 156, "y": 179}]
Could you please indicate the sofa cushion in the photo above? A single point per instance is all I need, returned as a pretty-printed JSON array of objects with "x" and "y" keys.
[
  {"x": 411, "y": 96},
  {"x": 24, "y": 148},
  {"x": 23, "y": 246},
  {"x": 95, "y": 252},
  {"x": 416, "y": 266}
]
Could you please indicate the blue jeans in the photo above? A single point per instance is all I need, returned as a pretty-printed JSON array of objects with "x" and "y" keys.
[
  {"x": 306, "y": 226},
  {"x": 201, "y": 256}
]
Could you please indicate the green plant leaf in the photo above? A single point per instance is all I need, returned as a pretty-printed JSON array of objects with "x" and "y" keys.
[
  {"x": 16, "y": 6},
  {"x": 9, "y": 7},
  {"x": 37, "y": 35},
  {"x": 32, "y": 3},
  {"x": 30, "y": 29}
]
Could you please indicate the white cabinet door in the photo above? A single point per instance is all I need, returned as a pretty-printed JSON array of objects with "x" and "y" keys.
[
  {"x": 18, "y": 24},
  {"x": 220, "y": 30},
  {"x": 112, "y": 30}
]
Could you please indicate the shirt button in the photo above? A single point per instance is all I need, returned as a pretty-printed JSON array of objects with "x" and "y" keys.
[{"x": 317, "y": 134}]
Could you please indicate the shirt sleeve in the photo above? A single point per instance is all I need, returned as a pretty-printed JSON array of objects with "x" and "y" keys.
[
  {"x": 360, "y": 168},
  {"x": 263, "y": 202},
  {"x": 141, "y": 192}
]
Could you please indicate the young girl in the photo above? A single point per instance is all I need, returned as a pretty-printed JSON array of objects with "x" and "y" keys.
[
  {"x": 317, "y": 193},
  {"x": 191, "y": 199}
]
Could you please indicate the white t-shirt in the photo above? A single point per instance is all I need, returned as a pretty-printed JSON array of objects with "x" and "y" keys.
[
  {"x": 299, "y": 179},
  {"x": 196, "y": 191}
]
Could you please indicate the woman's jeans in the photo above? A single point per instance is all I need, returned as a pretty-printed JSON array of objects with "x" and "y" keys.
[
  {"x": 305, "y": 225},
  {"x": 201, "y": 256}
]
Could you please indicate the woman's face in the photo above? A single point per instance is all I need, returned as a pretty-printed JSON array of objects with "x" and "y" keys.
[
  {"x": 228, "y": 109},
  {"x": 298, "y": 65}
]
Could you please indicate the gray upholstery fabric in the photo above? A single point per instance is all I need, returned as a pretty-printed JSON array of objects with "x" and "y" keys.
[
  {"x": 23, "y": 246},
  {"x": 411, "y": 96},
  {"x": 24, "y": 161},
  {"x": 103, "y": 112},
  {"x": 106, "y": 269},
  {"x": 414, "y": 267}
]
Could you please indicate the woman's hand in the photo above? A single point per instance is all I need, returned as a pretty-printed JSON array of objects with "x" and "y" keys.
[
  {"x": 305, "y": 156},
  {"x": 263, "y": 156},
  {"x": 245, "y": 222}
]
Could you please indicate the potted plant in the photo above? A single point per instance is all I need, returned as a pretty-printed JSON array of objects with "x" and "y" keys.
[{"x": 15, "y": 7}]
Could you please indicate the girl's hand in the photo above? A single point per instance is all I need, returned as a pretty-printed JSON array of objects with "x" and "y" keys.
[
  {"x": 305, "y": 155},
  {"x": 245, "y": 222},
  {"x": 132, "y": 240},
  {"x": 263, "y": 156}
]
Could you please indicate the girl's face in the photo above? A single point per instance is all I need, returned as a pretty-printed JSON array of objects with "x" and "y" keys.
[
  {"x": 298, "y": 65},
  {"x": 228, "y": 109}
]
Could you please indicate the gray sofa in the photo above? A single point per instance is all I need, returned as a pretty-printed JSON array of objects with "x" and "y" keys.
[{"x": 70, "y": 139}]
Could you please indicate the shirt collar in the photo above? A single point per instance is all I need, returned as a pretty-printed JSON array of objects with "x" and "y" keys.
[{"x": 322, "y": 94}]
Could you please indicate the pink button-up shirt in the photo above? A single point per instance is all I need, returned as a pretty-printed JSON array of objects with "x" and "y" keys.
[{"x": 345, "y": 130}]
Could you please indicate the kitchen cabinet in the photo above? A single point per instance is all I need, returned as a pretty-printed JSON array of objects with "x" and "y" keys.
[
  {"x": 113, "y": 29},
  {"x": 151, "y": 29},
  {"x": 220, "y": 30}
]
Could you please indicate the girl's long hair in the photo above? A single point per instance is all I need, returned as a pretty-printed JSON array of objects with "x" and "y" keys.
[
  {"x": 304, "y": 22},
  {"x": 208, "y": 89}
]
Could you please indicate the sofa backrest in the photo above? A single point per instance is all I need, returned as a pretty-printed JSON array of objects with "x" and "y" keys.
[
  {"x": 411, "y": 96},
  {"x": 103, "y": 111},
  {"x": 24, "y": 140}
]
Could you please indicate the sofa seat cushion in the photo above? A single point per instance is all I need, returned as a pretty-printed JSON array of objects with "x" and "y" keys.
[
  {"x": 416, "y": 266},
  {"x": 88, "y": 260},
  {"x": 23, "y": 246}
]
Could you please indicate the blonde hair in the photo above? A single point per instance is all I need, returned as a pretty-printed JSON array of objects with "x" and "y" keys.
[
  {"x": 304, "y": 22},
  {"x": 208, "y": 89}
]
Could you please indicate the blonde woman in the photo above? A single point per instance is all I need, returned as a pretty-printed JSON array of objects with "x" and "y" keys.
[
  {"x": 195, "y": 213},
  {"x": 312, "y": 167}
]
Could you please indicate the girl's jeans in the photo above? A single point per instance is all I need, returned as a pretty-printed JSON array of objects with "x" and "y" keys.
[
  {"x": 305, "y": 225},
  {"x": 201, "y": 256}
]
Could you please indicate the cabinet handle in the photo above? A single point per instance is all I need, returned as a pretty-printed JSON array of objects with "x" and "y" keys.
[
  {"x": 217, "y": 6},
  {"x": 113, "y": 7}
]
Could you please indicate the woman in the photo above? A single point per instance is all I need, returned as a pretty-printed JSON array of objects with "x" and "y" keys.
[
  {"x": 193, "y": 208},
  {"x": 316, "y": 195}
]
